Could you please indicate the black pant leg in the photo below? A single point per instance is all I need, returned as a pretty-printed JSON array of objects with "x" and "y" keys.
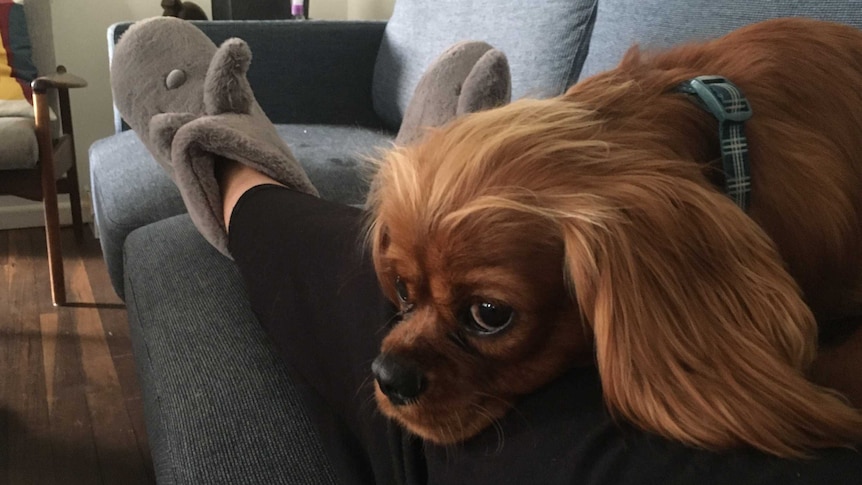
[{"x": 313, "y": 288}]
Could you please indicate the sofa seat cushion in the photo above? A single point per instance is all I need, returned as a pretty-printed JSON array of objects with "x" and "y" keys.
[
  {"x": 219, "y": 404},
  {"x": 336, "y": 157},
  {"x": 19, "y": 149},
  {"x": 663, "y": 23},
  {"x": 130, "y": 190}
]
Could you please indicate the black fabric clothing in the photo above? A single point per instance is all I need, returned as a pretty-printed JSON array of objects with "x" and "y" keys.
[{"x": 311, "y": 283}]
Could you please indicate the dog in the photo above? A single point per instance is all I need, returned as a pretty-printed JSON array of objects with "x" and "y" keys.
[{"x": 593, "y": 229}]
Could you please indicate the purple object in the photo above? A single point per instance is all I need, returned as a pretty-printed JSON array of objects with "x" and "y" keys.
[{"x": 296, "y": 9}]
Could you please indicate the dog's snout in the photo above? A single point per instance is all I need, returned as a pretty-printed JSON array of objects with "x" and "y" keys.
[{"x": 399, "y": 378}]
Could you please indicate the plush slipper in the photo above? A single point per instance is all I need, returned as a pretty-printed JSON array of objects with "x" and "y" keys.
[
  {"x": 469, "y": 76},
  {"x": 190, "y": 103}
]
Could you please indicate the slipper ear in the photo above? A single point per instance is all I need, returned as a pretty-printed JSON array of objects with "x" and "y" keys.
[
  {"x": 488, "y": 85},
  {"x": 701, "y": 334},
  {"x": 469, "y": 76},
  {"x": 226, "y": 89}
]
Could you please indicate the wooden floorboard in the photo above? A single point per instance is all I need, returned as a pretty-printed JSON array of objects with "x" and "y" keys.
[
  {"x": 6, "y": 356},
  {"x": 70, "y": 403},
  {"x": 24, "y": 398}
]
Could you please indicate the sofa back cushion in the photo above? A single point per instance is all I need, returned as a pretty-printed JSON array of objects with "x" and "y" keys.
[
  {"x": 545, "y": 43},
  {"x": 662, "y": 23}
]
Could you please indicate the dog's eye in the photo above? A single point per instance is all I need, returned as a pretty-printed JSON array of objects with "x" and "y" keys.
[
  {"x": 401, "y": 289},
  {"x": 487, "y": 318}
]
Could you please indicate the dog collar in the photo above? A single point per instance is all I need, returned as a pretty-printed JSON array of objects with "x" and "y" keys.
[{"x": 726, "y": 102}]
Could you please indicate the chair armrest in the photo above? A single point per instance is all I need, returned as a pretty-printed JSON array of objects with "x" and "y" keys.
[
  {"x": 309, "y": 72},
  {"x": 62, "y": 81},
  {"x": 59, "y": 80}
]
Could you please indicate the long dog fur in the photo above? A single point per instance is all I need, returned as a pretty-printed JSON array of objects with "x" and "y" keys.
[{"x": 702, "y": 317}]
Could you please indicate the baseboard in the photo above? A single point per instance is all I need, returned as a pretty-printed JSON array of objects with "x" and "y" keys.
[{"x": 30, "y": 214}]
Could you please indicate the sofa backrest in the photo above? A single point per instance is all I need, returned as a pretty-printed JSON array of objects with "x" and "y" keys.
[
  {"x": 544, "y": 41},
  {"x": 662, "y": 23}
]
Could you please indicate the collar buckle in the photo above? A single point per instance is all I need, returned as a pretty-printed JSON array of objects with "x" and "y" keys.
[
  {"x": 729, "y": 106},
  {"x": 720, "y": 97}
]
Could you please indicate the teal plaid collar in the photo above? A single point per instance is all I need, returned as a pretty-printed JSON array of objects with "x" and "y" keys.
[{"x": 727, "y": 103}]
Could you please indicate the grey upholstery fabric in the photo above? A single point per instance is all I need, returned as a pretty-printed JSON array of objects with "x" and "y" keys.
[
  {"x": 19, "y": 148},
  {"x": 335, "y": 157},
  {"x": 662, "y": 23},
  {"x": 219, "y": 407},
  {"x": 545, "y": 43},
  {"x": 130, "y": 190}
]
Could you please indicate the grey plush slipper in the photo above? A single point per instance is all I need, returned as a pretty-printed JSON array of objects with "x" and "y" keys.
[
  {"x": 469, "y": 76},
  {"x": 191, "y": 105}
]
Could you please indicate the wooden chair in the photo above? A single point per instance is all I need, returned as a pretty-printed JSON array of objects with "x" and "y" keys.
[{"x": 55, "y": 168}]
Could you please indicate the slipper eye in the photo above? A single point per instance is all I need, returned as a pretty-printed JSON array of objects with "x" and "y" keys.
[
  {"x": 488, "y": 318},
  {"x": 175, "y": 79},
  {"x": 401, "y": 290}
]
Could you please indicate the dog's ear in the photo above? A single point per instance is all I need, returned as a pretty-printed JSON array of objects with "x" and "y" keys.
[{"x": 701, "y": 334}]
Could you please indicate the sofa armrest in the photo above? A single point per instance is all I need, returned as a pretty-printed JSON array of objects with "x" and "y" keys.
[{"x": 309, "y": 72}]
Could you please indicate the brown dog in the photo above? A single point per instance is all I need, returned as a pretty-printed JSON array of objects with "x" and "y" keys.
[{"x": 527, "y": 239}]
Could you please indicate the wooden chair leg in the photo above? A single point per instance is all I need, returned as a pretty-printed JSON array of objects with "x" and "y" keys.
[
  {"x": 55, "y": 253},
  {"x": 49, "y": 199}
]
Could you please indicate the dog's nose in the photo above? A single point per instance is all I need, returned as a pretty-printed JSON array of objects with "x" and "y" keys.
[{"x": 399, "y": 378}]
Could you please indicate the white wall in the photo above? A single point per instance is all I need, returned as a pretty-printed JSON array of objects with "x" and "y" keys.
[
  {"x": 80, "y": 40},
  {"x": 369, "y": 9},
  {"x": 351, "y": 9},
  {"x": 328, "y": 9}
]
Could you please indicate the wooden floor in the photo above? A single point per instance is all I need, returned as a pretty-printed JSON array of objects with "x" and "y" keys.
[{"x": 70, "y": 404}]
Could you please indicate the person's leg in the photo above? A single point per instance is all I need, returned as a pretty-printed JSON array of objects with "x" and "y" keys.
[
  {"x": 295, "y": 252},
  {"x": 314, "y": 290},
  {"x": 234, "y": 180}
]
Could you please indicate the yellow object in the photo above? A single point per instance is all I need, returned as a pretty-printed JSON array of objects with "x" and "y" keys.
[{"x": 10, "y": 88}]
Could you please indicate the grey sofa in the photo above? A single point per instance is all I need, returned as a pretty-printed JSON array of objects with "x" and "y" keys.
[{"x": 219, "y": 405}]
